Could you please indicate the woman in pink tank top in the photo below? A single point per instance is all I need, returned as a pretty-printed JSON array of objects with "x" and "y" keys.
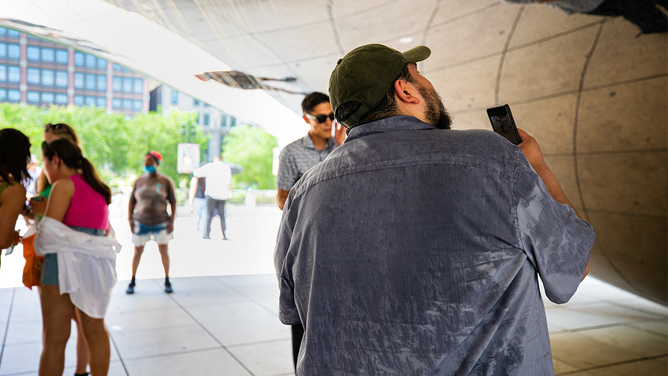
[{"x": 78, "y": 199}]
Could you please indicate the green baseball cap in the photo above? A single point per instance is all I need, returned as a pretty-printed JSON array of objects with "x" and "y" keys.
[{"x": 366, "y": 73}]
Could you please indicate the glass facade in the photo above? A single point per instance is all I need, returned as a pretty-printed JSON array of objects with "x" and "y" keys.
[
  {"x": 89, "y": 101},
  {"x": 117, "y": 84},
  {"x": 47, "y": 97},
  {"x": 78, "y": 80},
  {"x": 47, "y": 77},
  {"x": 127, "y": 84},
  {"x": 32, "y": 53},
  {"x": 137, "y": 105},
  {"x": 101, "y": 82},
  {"x": 61, "y": 98},
  {"x": 13, "y": 51},
  {"x": 101, "y": 102},
  {"x": 3, "y": 95},
  {"x": 91, "y": 61},
  {"x": 79, "y": 59},
  {"x": 48, "y": 55},
  {"x": 138, "y": 85},
  {"x": 175, "y": 97},
  {"x": 61, "y": 78},
  {"x": 13, "y": 95},
  {"x": 3, "y": 73},
  {"x": 90, "y": 81},
  {"x": 3, "y": 50},
  {"x": 33, "y": 76},
  {"x": 33, "y": 97},
  {"x": 13, "y": 74},
  {"x": 78, "y": 100},
  {"x": 61, "y": 56}
]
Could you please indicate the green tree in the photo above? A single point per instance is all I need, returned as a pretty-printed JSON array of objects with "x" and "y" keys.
[
  {"x": 114, "y": 143},
  {"x": 251, "y": 148}
]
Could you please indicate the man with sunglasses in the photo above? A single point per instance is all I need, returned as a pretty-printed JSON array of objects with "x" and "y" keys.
[{"x": 299, "y": 156}]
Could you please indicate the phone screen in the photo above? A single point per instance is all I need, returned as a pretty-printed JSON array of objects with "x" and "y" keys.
[{"x": 503, "y": 123}]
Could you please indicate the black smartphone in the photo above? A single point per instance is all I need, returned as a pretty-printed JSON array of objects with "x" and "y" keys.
[{"x": 503, "y": 123}]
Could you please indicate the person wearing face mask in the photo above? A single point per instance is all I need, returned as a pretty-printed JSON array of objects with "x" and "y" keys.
[{"x": 148, "y": 216}]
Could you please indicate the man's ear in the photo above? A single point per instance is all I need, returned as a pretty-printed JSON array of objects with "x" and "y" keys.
[{"x": 406, "y": 91}]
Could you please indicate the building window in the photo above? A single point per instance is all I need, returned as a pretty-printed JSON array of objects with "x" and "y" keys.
[
  {"x": 3, "y": 73},
  {"x": 33, "y": 76},
  {"x": 13, "y": 74},
  {"x": 78, "y": 80},
  {"x": 3, "y": 50},
  {"x": 206, "y": 105},
  {"x": 175, "y": 97},
  {"x": 101, "y": 102},
  {"x": 139, "y": 85},
  {"x": 127, "y": 104},
  {"x": 101, "y": 63},
  {"x": 116, "y": 103},
  {"x": 127, "y": 85},
  {"x": 13, "y": 95},
  {"x": 61, "y": 98},
  {"x": 101, "y": 82},
  {"x": 48, "y": 55},
  {"x": 47, "y": 77},
  {"x": 32, "y": 53},
  {"x": 3, "y": 31},
  {"x": 33, "y": 97},
  {"x": 206, "y": 119},
  {"x": 79, "y": 59},
  {"x": 137, "y": 105},
  {"x": 90, "y": 101},
  {"x": 3, "y": 95},
  {"x": 78, "y": 100},
  {"x": 117, "y": 84},
  {"x": 90, "y": 61},
  {"x": 118, "y": 67},
  {"x": 196, "y": 102},
  {"x": 90, "y": 82},
  {"x": 47, "y": 97},
  {"x": 61, "y": 56},
  {"x": 61, "y": 78},
  {"x": 13, "y": 51},
  {"x": 13, "y": 33}
]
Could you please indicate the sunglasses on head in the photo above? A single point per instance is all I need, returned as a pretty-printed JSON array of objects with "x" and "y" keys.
[
  {"x": 321, "y": 118},
  {"x": 56, "y": 126}
]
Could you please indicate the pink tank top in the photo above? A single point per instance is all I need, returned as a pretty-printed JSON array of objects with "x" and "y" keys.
[{"x": 88, "y": 208}]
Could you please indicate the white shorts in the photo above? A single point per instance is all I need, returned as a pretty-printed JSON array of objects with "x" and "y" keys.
[{"x": 143, "y": 236}]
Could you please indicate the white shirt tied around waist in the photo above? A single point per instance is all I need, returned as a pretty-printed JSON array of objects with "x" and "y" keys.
[
  {"x": 86, "y": 264},
  {"x": 218, "y": 178}
]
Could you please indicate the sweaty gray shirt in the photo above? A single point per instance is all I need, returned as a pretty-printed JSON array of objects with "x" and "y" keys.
[
  {"x": 297, "y": 158},
  {"x": 417, "y": 251}
]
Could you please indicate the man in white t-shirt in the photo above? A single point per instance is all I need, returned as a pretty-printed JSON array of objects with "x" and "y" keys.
[{"x": 218, "y": 177}]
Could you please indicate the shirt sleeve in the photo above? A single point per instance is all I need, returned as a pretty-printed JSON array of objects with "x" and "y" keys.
[
  {"x": 287, "y": 171},
  {"x": 556, "y": 241},
  {"x": 287, "y": 309}
]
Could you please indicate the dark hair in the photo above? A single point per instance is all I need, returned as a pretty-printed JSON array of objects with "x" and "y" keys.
[
  {"x": 61, "y": 130},
  {"x": 312, "y": 100},
  {"x": 384, "y": 109},
  {"x": 14, "y": 156},
  {"x": 70, "y": 154}
]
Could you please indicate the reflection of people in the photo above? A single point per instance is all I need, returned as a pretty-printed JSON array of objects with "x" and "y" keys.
[
  {"x": 79, "y": 268},
  {"x": 643, "y": 13},
  {"x": 299, "y": 156},
  {"x": 14, "y": 154},
  {"x": 416, "y": 249},
  {"x": 197, "y": 198},
  {"x": 149, "y": 220},
  {"x": 218, "y": 177}
]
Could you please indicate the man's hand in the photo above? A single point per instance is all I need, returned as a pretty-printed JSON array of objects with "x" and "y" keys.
[
  {"x": 531, "y": 150},
  {"x": 339, "y": 133}
]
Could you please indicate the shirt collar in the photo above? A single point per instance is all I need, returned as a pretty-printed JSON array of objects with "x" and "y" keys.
[
  {"x": 394, "y": 123},
  {"x": 307, "y": 143}
]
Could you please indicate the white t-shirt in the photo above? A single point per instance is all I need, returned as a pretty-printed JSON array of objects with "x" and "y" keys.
[{"x": 218, "y": 178}]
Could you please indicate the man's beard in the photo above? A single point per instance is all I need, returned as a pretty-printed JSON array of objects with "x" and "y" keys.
[{"x": 435, "y": 113}]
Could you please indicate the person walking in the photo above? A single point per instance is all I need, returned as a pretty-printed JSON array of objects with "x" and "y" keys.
[
  {"x": 217, "y": 178},
  {"x": 79, "y": 250},
  {"x": 148, "y": 216}
]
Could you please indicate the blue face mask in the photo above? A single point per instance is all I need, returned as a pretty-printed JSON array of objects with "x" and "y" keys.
[{"x": 149, "y": 169}]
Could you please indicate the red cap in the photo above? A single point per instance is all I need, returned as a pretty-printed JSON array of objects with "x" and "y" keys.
[{"x": 156, "y": 155}]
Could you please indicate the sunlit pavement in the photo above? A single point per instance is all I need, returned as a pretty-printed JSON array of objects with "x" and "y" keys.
[{"x": 222, "y": 319}]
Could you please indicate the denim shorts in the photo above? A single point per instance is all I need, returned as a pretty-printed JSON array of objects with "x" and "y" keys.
[
  {"x": 144, "y": 233},
  {"x": 50, "y": 264}
]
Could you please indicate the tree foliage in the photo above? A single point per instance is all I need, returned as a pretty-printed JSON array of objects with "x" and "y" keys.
[
  {"x": 251, "y": 148},
  {"x": 114, "y": 143}
]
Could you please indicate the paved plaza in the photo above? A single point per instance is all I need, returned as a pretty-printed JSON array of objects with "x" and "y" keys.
[{"x": 222, "y": 317}]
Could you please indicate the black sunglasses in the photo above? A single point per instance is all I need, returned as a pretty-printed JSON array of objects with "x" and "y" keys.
[
  {"x": 56, "y": 126},
  {"x": 321, "y": 118}
]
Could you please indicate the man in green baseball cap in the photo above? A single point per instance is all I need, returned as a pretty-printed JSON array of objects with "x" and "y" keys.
[
  {"x": 363, "y": 85},
  {"x": 427, "y": 262}
]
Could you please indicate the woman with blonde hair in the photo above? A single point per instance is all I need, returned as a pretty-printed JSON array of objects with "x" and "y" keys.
[{"x": 79, "y": 267}]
